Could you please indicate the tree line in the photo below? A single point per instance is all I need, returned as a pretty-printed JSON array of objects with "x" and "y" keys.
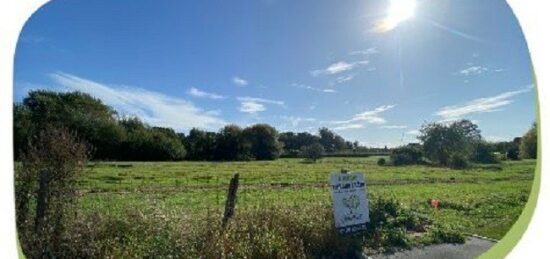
[
  {"x": 458, "y": 143},
  {"x": 110, "y": 137}
]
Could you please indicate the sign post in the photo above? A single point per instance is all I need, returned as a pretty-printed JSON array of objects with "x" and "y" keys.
[{"x": 351, "y": 207}]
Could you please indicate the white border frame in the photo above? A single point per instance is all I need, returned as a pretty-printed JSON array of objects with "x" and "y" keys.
[{"x": 532, "y": 17}]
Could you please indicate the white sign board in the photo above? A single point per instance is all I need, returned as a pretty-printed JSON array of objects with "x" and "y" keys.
[{"x": 351, "y": 207}]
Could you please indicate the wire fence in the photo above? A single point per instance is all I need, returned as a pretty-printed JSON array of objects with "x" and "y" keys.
[{"x": 204, "y": 193}]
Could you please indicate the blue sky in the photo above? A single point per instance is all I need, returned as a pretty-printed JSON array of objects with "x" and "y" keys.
[{"x": 298, "y": 65}]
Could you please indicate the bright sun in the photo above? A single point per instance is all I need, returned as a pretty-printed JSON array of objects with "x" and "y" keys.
[{"x": 398, "y": 11}]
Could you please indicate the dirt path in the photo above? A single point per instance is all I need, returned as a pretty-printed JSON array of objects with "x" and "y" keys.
[{"x": 473, "y": 248}]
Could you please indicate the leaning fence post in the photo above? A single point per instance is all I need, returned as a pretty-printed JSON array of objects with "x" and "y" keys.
[{"x": 231, "y": 200}]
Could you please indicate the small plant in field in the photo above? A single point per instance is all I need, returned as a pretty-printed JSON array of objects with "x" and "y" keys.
[
  {"x": 447, "y": 234},
  {"x": 381, "y": 161}
]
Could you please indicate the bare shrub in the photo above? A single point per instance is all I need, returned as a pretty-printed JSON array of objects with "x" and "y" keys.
[{"x": 47, "y": 179}]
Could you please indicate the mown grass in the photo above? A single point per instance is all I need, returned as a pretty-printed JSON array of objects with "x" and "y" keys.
[{"x": 483, "y": 200}]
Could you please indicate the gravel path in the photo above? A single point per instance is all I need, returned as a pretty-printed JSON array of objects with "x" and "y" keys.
[{"x": 473, "y": 248}]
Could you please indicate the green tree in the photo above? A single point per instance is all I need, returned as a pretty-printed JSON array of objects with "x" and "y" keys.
[
  {"x": 22, "y": 129},
  {"x": 200, "y": 144},
  {"x": 263, "y": 141},
  {"x": 92, "y": 120},
  {"x": 144, "y": 143},
  {"x": 440, "y": 140},
  {"x": 230, "y": 144},
  {"x": 313, "y": 152},
  {"x": 528, "y": 146},
  {"x": 513, "y": 153},
  {"x": 331, "y": 141},
  {"x": 293, "y": 142}
]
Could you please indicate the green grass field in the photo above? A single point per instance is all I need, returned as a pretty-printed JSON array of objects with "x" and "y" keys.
[{"x": 483, "y": 200}]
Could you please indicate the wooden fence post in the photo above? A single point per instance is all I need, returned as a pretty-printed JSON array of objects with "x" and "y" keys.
[{"x": 231, "y": 200}]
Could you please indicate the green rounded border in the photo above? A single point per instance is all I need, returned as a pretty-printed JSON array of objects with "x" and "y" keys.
[{"x": 511, "y": 239}]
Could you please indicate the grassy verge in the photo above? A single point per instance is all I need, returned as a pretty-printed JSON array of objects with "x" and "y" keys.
[{"x": 139, "y": 209}]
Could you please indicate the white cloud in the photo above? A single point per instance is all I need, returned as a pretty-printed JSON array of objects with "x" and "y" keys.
[
  {"x": 261, "y": 100},
  {"x": 239, "y": 81},
  {"x": 478, "y": 70},
  {"x": 371, "y": 117},
  {"x": 255, "y": 105},
  {"x": 338, "y": 67},
  {"x": 295, "y": 121},
  {"x": 413, "y": 132},
  {"x": 153, "y": 107},
  {"x": 201, "y": 94},
  {"x": 328, "y": 90},
  {"x": 349, "y": 126},
  {"x": 480, "y": 105},
  {"x": 473, "y": 70},
  {"x": 394, "y": 127},
  {"x": 497, "y": 138},
  {"x": 342, "y": 79},
  {"x": 251, "y": 107},
  {"x": 367, "y": 52}
]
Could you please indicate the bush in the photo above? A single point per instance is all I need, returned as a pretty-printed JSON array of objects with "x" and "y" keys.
[
  {"x": 447, "y": 234},
  {"x": 381, "y": 161},
  {"x": 528, "y": 146},
  {"x": 313, "y": 152},
  {"x": 458, "y": 162},
  {"x": 406, "y": 155},
  {"x": 267, "y": 232},
  {"x": 262, "y": 140},
  {"x": 47, "y": 181},
  {"x": 93, "y": 121},
  {"x": 441, "y": 140},
  {"x": 150, "y": 144},
  {"x": 513, "y": 153},
  {"x": 401, "y": 159},
  {"x": 483, "y": 154}
]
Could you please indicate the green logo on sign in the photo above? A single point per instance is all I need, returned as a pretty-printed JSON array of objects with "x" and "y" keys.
[{"x": 351, "y": 202}]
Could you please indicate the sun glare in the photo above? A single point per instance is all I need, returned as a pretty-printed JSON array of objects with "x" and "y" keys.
[{"x": 398, "y": 11}]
